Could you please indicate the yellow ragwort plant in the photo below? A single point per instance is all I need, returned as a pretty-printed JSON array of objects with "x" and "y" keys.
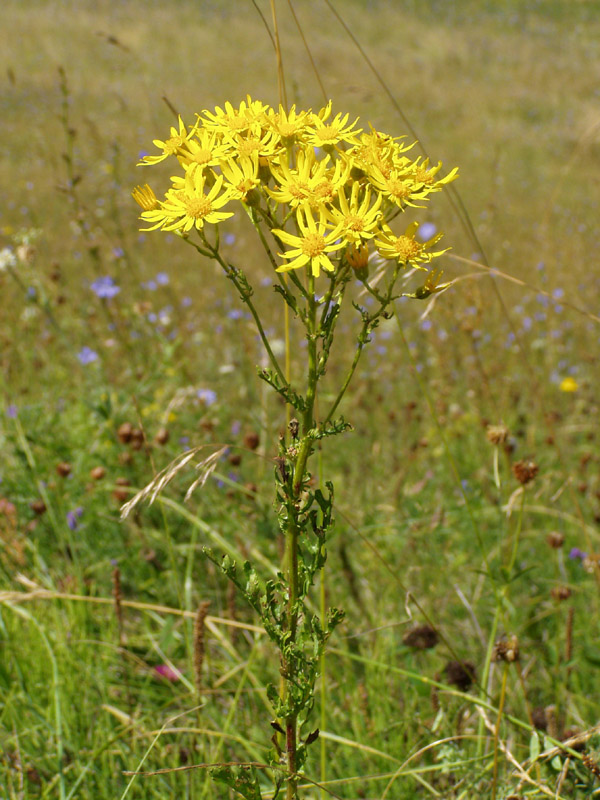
[{"x": 322, "y": 195}]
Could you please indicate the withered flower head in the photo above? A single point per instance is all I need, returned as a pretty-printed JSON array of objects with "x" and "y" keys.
[
  {"x": 555, "y": 539},
  {"x": 460, "y": 674},
  {"x": 525, "y": 471},
  {"x": 421, "y": 637},
  {"x": 560, "y": 593},
  {"x": 506, "y": 649},
  {"x": 497, "y": 434}
]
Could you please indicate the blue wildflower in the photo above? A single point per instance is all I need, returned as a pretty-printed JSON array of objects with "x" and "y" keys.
[
  {"x": 86, "y": 355},
  {"x": 105, "y": 287}
]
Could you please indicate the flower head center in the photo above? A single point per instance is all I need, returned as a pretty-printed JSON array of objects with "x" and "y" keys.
[
  {"x": 197, "y": 207},
  {"x": 173, "y": 144},
  {"x": 201, "y": 157},
  {"x": 407, "y": 248},
  {"x": 398, "y": 188},
  {"x": 313, "y": 244}
]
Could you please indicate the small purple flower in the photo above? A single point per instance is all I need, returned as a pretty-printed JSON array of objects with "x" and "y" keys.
[
  {"x": 167, "y": 672},
  {"x": 229, "y": 238},
  {"x": 87, "y": 356},
  {"x": 11, "y": 411},
  {"x": 118, "y": 252},
  {"x": 207, "y": 396},
  {"x": 105, "y": 287},
  {"x": 235, "y": 313},
  {"x": 236, "y": 427},
  {"x": 577, "y": 553},
  {"x": 162, "y": 279},
  {"x": 152, "y": 286},
  {"x": 73, "y": 517},
  {"x": 186, "y": 302},
  {"x": 184, "y": 441},
  {"x": 558, "y": 294}
]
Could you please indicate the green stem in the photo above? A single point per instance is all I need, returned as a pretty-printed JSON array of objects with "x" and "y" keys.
[
  {"x": 292, "y": 535},
  {"x": 231, "y": 273}
]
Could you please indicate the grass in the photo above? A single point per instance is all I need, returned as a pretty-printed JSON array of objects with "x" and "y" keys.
[{"x": 424, "y": 533}]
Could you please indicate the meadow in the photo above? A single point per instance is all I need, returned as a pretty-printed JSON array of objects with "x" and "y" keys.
[{"x": 467, "y": 494}]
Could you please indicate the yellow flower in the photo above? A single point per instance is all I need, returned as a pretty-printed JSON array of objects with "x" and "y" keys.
[
  {"x": 379, "y": 150},
  {"x": 397, "y": 187},
  {"x": 424, "y": 174},
  {"x": 188, "y": 206},
  {"x": 176, "y": 143},
  {"x": 145, "y": 197},
  {"x": 359, "y": 221},
  {"x": 205, "y": 151},
  {"x": 264, "y": 144},
  {"x": 323, "y": 134},
  {"x": 313, "y": 245},
  {"x": 240, "y": 177},
  {"x": 405, "y": 249},
  {"x": 311, "y": 183},
  {"x": 288, "y": 125},
  {"x": 431, "y": 286},
  {"x": 250, "y": 116},
  {"x": 568, "y": 385}
]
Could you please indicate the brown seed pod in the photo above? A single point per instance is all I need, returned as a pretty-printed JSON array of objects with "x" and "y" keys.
[
  {"x": 162, "y": 436},
  {"x": 97, "y": 473},
  {"x": 121, "y": 494},
  {"x": 63, "y": 469},
  {"x": 137, "y": 439},
  {"x": 251, "y": 440},
  {"x": 38, "y": 507},
  {"x": 235, "y": 459},
  {"x": 421, "y": 637},
  {"x": 124, "y": 432}
]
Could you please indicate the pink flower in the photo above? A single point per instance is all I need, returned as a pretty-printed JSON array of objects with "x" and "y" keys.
[{"x": 166, "y": 672}]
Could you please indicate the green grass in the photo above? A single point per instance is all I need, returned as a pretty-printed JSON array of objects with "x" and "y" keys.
[{"x": 507, "y": 91}]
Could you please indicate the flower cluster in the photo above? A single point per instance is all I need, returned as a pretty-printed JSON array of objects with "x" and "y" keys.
[{"x": 341, "y": 186}]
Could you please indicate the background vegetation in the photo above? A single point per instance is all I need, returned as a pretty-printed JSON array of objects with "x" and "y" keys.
[{"x": 507, "y": 90}]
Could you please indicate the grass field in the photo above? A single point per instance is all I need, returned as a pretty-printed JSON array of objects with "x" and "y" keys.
[{"x": 433, "y": 530}]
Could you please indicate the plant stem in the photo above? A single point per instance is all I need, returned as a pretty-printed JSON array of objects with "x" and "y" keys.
[{"x": 291, "y": 538}]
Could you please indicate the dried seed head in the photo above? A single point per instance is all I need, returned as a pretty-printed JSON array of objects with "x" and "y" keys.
[
  {"x": 555, "y": 539},
  {"x": 560, "y": 593},
  {"x": 251, "y": 440},
  {"x": 38, "y": 507},
  {"x": 125, "y": 458},
  {"x": 294, "y": 428},
  {"x": 421, "y": 637},
  {"x": 460, "y": 674},
  {"x": 251, "y": 489},
  {"x": 124, "y": 432},
  {"x": 162, "y": 436},
  {"x": 497, "y": 434},
  {"x": 137, "y": 439},
  {"x": 97, "y": 473},
  {"x": 506, "y": 649},
  {"x": 525, "y": 471},
  {"x": 235, "y": 459},
  {"x": 63, "y": 469}
]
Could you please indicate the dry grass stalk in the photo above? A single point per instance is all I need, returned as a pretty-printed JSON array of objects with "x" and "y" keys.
[{"x": 165, "y": 476}]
